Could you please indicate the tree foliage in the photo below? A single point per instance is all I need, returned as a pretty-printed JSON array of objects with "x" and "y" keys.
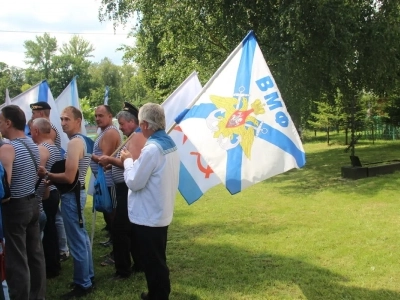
[{"x": 313, "y": 47}]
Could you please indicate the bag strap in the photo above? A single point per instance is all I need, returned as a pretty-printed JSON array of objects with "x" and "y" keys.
[
  {"x": 30, "y": 153},
  {"x": 33, "y": 160},
  {"x": 77, "y": 192}
]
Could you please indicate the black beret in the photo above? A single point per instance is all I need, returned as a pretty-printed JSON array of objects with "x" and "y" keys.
[
  {"x": 132, "y": 109},
  {"x": 40, "y": 105}
]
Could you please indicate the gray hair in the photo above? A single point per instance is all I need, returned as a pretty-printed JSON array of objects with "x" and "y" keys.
[
  {"x": 127, "y": 116},
  {"x": 43, "y": 125},
  {"x": 153, "y": 114}
]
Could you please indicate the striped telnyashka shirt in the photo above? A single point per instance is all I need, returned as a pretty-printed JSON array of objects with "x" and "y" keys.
[
  {"x": 57, "y": 142},
  {"x": 84, "y": 162},
  {"x": 97, "y": 151},
  {"x": 55, "y": 155},
  {"x": 24, "y": 172},
  {"x": 117, "y": 172}
]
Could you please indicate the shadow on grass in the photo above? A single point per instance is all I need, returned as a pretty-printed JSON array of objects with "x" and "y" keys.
[
  {"x": 217, "y": 270},
  {"x": 323, "y": 171}
]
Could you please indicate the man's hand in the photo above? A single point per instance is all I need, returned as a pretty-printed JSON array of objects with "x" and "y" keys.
[
  {"x": 104, "y": 160},
  {"x": 42, "y": 172},
  {"x": 125, "y": 154}
]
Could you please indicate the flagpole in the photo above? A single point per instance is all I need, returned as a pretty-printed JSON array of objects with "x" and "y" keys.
[
  {"x": 8, "y": 100},
  {"x": 211, "y": 80}
]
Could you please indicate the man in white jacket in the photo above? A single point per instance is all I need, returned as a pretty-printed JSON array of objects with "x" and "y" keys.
[{"x": 152, "y": 180}]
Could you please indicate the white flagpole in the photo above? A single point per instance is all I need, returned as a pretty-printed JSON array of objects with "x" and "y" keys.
[
  {"x": 8, "y": 100},
  {"x": 211, "y": 80}
]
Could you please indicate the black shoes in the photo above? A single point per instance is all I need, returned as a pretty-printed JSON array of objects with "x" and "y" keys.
[
  {"x": 64, "y": 256},
  {"x": 144, "y": 296},
  {"x": 77, "y": 292},
  {"x": 72, "y": 285},
  {"x": 136, "y": 270}
]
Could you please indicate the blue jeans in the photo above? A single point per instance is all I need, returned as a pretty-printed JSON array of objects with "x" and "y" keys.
[
  {"x": 78, "y": 239},
  {"x": 5, "y": 290},
  {"x": 42, "y": 223},
  {"x": 62, "y": 238}
]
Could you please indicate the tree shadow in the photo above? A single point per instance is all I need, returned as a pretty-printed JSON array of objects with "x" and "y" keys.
[{"x": 231, "y": 270}]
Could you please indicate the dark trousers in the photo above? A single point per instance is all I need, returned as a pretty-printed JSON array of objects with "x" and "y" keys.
[
  {"x": 109, "y": 217},
  {"x": 50, "y": 235},
  {"x": 25, "y": 266},
  {"x": 124, "y": 244},
  {"x": 153, "y": 246}
]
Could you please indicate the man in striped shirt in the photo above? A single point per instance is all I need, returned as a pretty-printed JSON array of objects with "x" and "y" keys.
[
  {"x": 42, "y": 109},
  {"x": 124, "y": 245},
  {"x": 77, "y": 158},
  {"x": 25, "y": 266},
  {"x": 106, "y": 143},
  {"x": 49, "y": 154}
]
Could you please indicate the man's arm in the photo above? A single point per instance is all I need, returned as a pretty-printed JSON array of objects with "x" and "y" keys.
[
  {"x": 7, "y": 156},
  {"x": 44, "y": 155},
  {"x": 53, "y": 135},
  {"x": 105, "y": 160},
  {"x": 136, "y": 144},
  {"x": 75, "y": 152},
  {"x": 138, "y": 172},
  {"x": 108, "y": 143}
]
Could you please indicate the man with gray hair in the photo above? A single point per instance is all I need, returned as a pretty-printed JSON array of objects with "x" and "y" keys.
[
  {"x": 50, "y": 197},
  {"x": 152, "y": 180},
  {"x": 124, "y": 245}
]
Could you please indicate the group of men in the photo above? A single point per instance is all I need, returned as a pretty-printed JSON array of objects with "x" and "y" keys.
[{"x": 142, "y": 179}]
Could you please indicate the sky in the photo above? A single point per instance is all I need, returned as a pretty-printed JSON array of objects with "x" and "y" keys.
[{"x": 57, "y": 17}]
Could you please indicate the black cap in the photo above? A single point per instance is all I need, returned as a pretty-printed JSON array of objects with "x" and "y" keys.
[
  {"x": 41, "y": 105},
  {"x": 132, "y": 109}
]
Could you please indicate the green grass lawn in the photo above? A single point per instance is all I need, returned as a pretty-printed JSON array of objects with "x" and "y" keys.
[{"x": 305, "y": 234}]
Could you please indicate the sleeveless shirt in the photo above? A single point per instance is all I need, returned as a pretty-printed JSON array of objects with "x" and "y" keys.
[
  {"x": 57, "y": 142},
  {"x": 117, "y": 172},
  {"x": 55, "y": 155},
  {"x": 83, "y": 162},
  {"x": 97, "y": 151},
  {"x": 24, "y": 172}
]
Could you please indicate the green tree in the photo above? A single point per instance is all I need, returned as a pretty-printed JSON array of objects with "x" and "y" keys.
[
  {"x": 327, "y": 117},
  {"x": 133, "y": 87},
  {"x": 11, "y": 78},
  {"x": 313, "y": 48},
  {"x": 40, "y": 54},
  {"x": 105, "y": 74},
  {"x": 59, "y": 69},
  {"x": 77, "y": 47},
  {"x": 87, "y": 110}
]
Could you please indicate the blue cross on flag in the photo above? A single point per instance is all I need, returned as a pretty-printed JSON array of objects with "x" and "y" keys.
[{"x": 240, "y": 124}]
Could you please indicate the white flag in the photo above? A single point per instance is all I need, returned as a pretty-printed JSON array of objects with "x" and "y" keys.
[
  {"x": 40, "y": 92},
  {"x": 195, "y": 176},
  {"x": 70, "y": 97},
  {"x": 239, "y": 122}
]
